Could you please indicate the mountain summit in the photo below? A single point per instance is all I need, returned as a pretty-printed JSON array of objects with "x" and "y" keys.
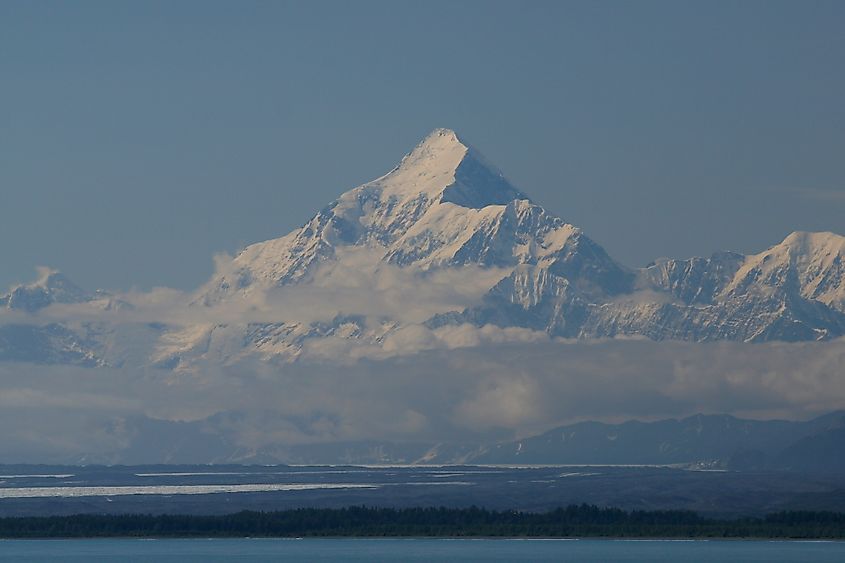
[{"x": 444, "y": 168}]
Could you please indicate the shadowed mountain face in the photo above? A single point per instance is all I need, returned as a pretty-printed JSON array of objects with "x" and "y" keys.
[{"x": 445, "y": 213}]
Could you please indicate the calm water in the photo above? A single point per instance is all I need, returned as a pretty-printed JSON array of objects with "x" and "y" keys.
[{"x": 185, "y": 551}]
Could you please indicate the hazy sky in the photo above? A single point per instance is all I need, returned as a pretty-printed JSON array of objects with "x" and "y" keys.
[{"x": 139, "y": 138}]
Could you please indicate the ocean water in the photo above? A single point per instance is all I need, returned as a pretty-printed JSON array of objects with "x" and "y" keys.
[{"x": 261, "y": 550}]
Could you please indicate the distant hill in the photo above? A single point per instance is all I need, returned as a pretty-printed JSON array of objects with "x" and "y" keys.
[
  {"x": 710, "y": 441},
  {"x": 702, "y": 442}
]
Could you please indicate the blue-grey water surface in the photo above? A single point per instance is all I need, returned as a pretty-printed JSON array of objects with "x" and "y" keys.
[{"x": 260, "y": 550}]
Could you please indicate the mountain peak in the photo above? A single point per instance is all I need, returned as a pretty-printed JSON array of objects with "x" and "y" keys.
[
  {"x": 438, "y": 143},
  {"x": 51, "y": 287},
  {"x": 442, "y": 135},
  {"x": 443, "y": 167},
  {"x": 49, "y": 278},
  {"x": 804, "y": 247},
  {"x": 805, "y": 240},
  {"x": 440, "y": 152}
]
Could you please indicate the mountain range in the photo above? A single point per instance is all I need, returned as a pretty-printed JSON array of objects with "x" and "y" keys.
[
  {"x": 698, "y": 442},
  {"x": 443, "y": 222},
  {"x": 442, "y": 252}
]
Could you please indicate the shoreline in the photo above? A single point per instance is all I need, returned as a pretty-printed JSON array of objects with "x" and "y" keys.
[{"x": 433, "y": 538}]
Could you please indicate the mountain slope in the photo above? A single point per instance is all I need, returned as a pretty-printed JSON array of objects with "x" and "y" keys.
[{"x": 791, "y": 292}]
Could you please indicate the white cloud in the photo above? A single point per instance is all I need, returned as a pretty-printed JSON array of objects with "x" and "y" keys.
[{"x": 495, "y": 389}]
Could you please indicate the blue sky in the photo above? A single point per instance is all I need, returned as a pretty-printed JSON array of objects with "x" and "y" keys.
[{"x": 139, "y": 138}]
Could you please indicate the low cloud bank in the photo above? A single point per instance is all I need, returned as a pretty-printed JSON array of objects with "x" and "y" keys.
[{"x": 495, "y": 390}]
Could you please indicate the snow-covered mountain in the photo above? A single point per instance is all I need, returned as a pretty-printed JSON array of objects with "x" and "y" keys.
[
  {"x": 443, "y": 241},
  {"x": 50, "y": 287},
  {"x": 792, "y": 291},
  {"x": 27, "y": 337},
  {"x": 443, "y": 206}
]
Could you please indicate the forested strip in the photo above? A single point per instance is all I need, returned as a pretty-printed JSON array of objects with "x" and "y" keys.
[{"x": 572, "y": 521}]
